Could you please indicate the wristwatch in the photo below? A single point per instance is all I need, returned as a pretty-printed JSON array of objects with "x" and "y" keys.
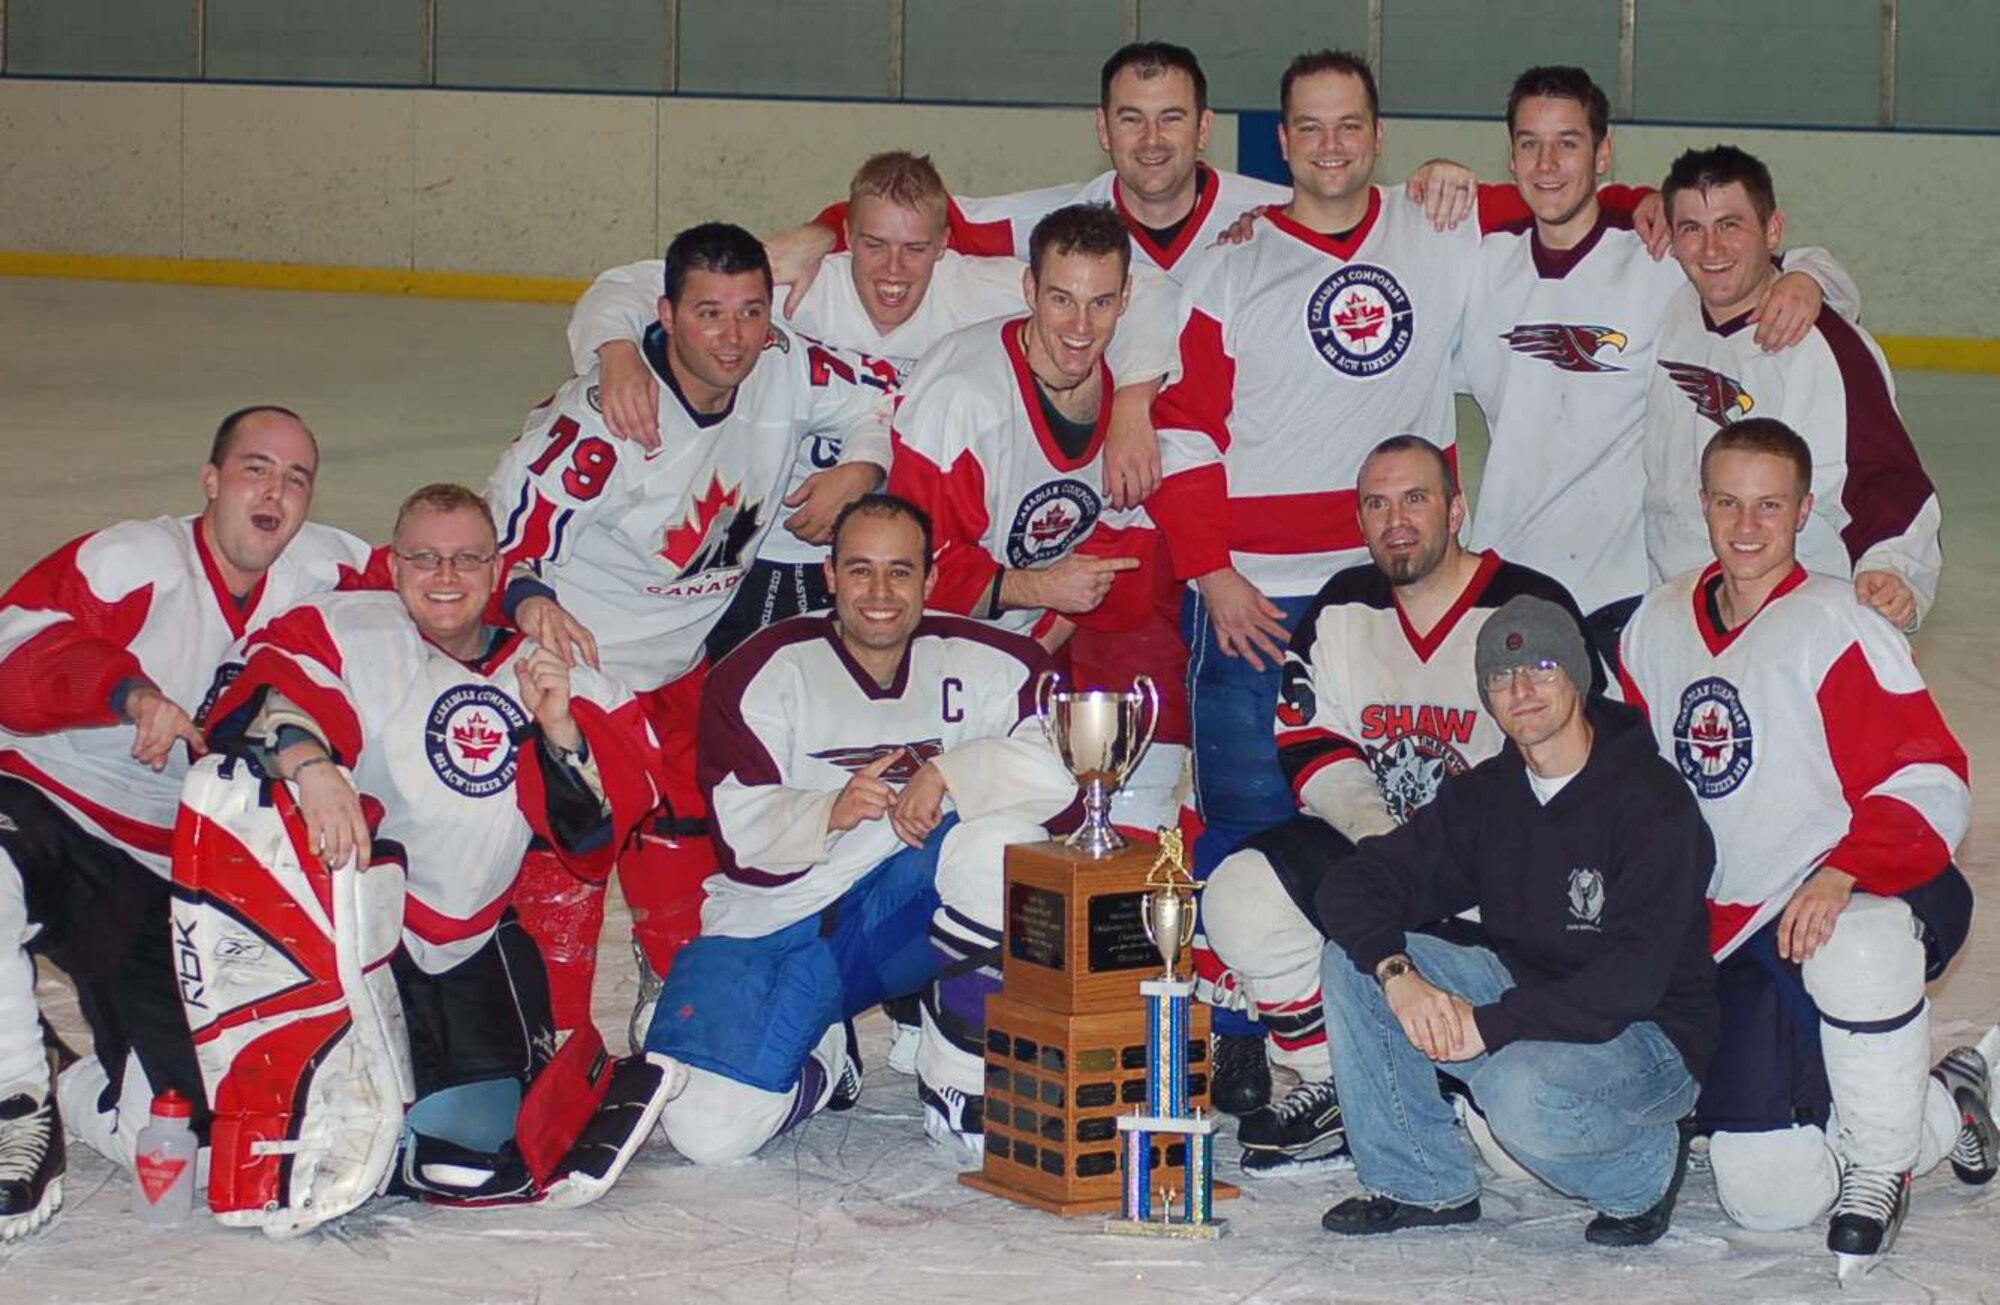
[{"x": 1395, "y": 966}]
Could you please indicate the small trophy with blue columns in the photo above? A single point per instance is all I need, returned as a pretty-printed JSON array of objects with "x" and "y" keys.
[{"x": 1168, "y": 912}]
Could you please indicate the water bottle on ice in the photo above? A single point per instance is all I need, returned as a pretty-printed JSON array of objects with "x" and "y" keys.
[{"x": 164, "y": 1193}]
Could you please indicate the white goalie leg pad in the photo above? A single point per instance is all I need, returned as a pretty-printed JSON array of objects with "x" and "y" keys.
[
  {"x": 1274, "y": 951},
  {"x": 1868, "y": 982},
  {"x": 294, "y": 1012},
  {"x": 24, "y": 1067},
  {"x": 1774, "y": 1181},
  {"x": 971, "y": 865},
  {"x": 966, "y": 933}
]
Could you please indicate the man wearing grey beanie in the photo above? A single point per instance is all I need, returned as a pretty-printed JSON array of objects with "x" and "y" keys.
[{"x": 1583, "y": 1023}]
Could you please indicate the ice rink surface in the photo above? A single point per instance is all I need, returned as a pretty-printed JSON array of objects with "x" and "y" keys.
[{"x": 108, "y": 394}]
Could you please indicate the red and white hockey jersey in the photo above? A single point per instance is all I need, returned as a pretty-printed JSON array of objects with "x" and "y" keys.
[
  {"x": 1809, "y": 737},
  {"x": 1874, "y": 507},
  {"x": 1372, "y": 715},
  {"x": 790, "y": 717},
  {"x": 646, "y": 549},
  {"x": 974, "y": 450},
  {"x": 443, "y": 753},
  {"x": 138, "y": 599},
  {"x": 622, "y": 303},
  {"x": 1299, "y": 353},
  {"x": 1001, "y": 224},
  {"x": 1559, "y": 349}
]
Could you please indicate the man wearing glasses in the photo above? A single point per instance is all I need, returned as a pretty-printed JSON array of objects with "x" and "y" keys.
[{"x": 1582, "y": 1024}]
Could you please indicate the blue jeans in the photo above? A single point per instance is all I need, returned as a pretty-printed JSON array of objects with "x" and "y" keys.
[{"x": 1596, "y": 1121}]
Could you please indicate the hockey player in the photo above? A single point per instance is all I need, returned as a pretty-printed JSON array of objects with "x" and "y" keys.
[
  {"x": 1331, "y": 327},
  {"x": 865, "y": 772},
  {"x": 1378, "y": 707},
  {"x": 106, "y": 648},
  {"x": 1875, "y": 513},
  {"x": 414, "y": 748},
  {"x": 633, "y": 555},
  {"x": 892, "y": 297},
  {"x": 1836, "y": 793},
  {"x": 1581, "y": 1023},
  {"x": 1558, "y": 348}
]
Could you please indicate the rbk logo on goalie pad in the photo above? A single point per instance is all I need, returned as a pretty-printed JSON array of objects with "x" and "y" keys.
[
  {"x": 1712, "y": 743},
  {"x": 1051, "y": 520},
  {"x": 1360, "y": 320},
  {"x": 1568, "y": 348},
  {"x": 469, "y": 739}
]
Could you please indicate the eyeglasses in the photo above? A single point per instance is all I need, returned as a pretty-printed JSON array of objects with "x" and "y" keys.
[
  {"x": 428, "y": 561},
  {"x": 1541, "y": 674}
]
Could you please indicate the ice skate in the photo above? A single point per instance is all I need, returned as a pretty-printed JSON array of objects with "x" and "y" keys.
[
  {"x": 954, "y": 1120},
  {"x": 1866, "y": 1219},
  {"x": 31, "y": 1164},
  {"x": 1967, "y": 1077},
  {"x": 905, "y": 1014},
  {"x": 649, "y": 997},
  {"x": 1304, "y": 1129}
]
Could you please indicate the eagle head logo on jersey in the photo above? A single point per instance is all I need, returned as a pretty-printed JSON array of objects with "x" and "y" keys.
[
  {"x": 1568, "y": 348},
  {"x": 1712, "y": 743},
  {"x": 1051, "y": 520},
  {"x": 1721, "y": 399},
  {"x": 1360, "y": 320},
  {"x": 901, "y": 771},
  {"x": 469, "y": 739},
  {"x": 712, "y": 537}
]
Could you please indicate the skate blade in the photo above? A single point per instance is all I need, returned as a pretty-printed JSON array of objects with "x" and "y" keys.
[
  {"x": 1853, "y": 1268},
  {"x": 21, "y": 1225}
]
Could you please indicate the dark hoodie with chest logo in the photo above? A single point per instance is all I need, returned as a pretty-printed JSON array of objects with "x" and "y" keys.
[{"x": 1594, "y": 902}]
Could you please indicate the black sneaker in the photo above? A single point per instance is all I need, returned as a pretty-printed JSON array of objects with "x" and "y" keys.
[
  {"x": 1303, "y": 1129},
  {"x": 1239, "y": 1074},
  {"x": 1364, "y": 1216},
  {"x": 847, "y": 1088},
  {"x": 31, "y": 1164},
  {"x": 1648, "y": 1226}
]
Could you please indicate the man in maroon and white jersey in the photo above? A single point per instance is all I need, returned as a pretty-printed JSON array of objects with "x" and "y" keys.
[
  {"x": 107, "y": 647},
  {"x": 1837, "y": 796},
  {"x": 1559, "y": 346},
  {"x": 630, "y": 556},
  {"x": 1875, "y": 514}
]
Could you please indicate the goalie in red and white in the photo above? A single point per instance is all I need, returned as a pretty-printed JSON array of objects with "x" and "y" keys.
[{"x": 367, "y": 1011}]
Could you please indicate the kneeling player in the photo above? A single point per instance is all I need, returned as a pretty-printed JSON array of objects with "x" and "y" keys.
[
  {"x": 347, "y": 943},
  {"x": 865, "y": 771},
  {"x": 1836, "y": 793}
]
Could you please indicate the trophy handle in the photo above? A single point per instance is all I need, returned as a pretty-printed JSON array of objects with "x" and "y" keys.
[
  {"x": 1187, "y": 924},
  {"x": 1045, "y": 688},
  {"x": 1149, "y": 693}
]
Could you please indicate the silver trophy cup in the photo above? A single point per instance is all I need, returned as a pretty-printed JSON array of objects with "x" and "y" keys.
[
  {"x": 1100, "y": 736},
  {"x": 1168, "y": 914}
]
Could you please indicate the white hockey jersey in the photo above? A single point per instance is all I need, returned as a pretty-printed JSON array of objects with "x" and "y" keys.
[
  {"x": 1372, "y": 714},
  {"x": 1874, "y": 507},
  {"x": 790, "y": 717},
  {"x": 646, "y": 549},
  {"x": 622, "y": 303},
  {"x": 1808, "y": 736},
  {"x": 443, "y": 753},
  {"x": 1299, "y": 352},
  {"x": 141, "y": 599},
  {"x": 974, "y": 450},
  {"x": 1000, "y": 225},
  {"x": 1559, "y": 350}
]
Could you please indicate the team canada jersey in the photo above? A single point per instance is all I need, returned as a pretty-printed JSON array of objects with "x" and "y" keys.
[
  {"x": 1364, "y": 693},
  {"x": 646, "y": 549},
  {"x": 1808, "y": 736},
  {"x": 138, "y": 599},
  {"x": 1299, "y": 352},
  {"x": 443, "y": 753},
  {"x": 790, "y": 717},
  {"x": 963, "y": 291},
  {"x": 1002, "y": 224},
  {"x": 1874, "y": 507},
  {"x": 974, "y": 450}
]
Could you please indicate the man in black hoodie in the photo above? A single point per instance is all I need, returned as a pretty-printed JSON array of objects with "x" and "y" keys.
[{"x": 1584, "y": 1024}]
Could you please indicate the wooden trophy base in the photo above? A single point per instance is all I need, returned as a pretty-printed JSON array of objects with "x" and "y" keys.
[{"x": 1055, "y": 1086}]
